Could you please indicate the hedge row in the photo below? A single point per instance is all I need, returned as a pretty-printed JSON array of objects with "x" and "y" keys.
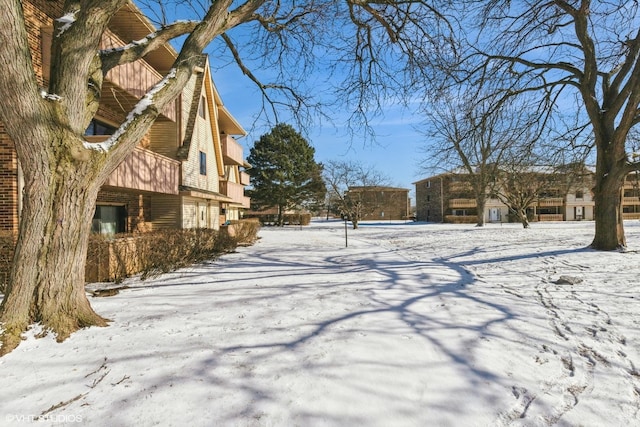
[{"x": 149, "y": 254}]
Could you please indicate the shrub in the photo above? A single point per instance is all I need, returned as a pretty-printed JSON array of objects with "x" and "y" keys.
[
  {"x": 243, "y": 232},
  {"x": 154, "y": 253},
  {"x": 150, "y": 254},
  {"x": 297, "y": 219}
]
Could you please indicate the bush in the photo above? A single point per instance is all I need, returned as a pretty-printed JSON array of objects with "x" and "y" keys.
[
  {"x": 149, "y": 254},
  {"x": 297, "y": 219},
  {"x": 243, "y": 232},
  {"x": 154, "y": 253}
]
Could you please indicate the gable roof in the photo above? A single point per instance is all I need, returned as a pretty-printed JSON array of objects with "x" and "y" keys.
[{"x": 219, "y": 118}]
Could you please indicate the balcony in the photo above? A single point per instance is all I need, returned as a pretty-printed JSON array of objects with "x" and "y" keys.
[
  {"x": 145, "y": 170},
  {"x": 245, "y": 179},
  {"x": 462, "y": 203},
  {"x": 236, "y": 192},
  {"x": 550, "y": 217},
  {"x": 136, "y": 78},
  {"x": 123, "y": 85},
  {"x": 631, "y": 200},
  {"x": 231, "y": 151},
  {"x": 461, "y": 219},
  {"x": 551, "y": 201}
]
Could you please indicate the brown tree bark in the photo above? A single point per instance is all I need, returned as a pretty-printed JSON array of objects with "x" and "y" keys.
[{"x": 47, "y": 279}]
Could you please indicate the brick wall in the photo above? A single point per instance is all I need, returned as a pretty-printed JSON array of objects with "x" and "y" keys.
[
  {"x": 38, "y": 14},
  {"x": 8, "y": 184},
  {"x": 429, "y": 201},
  {"x": 138, "y": 207}
]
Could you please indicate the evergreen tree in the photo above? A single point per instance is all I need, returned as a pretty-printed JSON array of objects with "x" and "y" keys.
[{"x": 284, "y": 173}]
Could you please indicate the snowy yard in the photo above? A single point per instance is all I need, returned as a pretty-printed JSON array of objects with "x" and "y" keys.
[{"x": 411, "y": 325}]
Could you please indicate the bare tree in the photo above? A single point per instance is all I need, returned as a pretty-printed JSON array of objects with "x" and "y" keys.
[
  {"x": 474, "y": 132},
  {"x": 63, "y": 172},
  {"x": 343, "y": 178},
  {"x": 564, "y": 51}
]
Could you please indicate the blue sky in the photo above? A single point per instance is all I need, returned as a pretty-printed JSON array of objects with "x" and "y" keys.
[{"x": 396, "y": 151}]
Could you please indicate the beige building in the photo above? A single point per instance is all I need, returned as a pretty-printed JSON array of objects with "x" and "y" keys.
[
  {"x": 449, "y": 197},
  {"x": 185, "y": 173}
]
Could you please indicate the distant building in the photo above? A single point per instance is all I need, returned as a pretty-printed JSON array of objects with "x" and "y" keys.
[
  {"x": 382, "y": 203},
  {"x": 449, "y": 197}
]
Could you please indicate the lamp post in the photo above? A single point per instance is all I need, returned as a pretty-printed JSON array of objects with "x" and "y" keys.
[{"x": 346, "y": 241}]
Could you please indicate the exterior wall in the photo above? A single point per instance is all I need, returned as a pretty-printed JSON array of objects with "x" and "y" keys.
[
  {"x": 200, "y": 213},
  {"x": 495, "y": 211},
  {"x": 164, "y": 138},
  {"x": 631, "y": 197},
  {"x": 202, "y": 141},
  {"x": 38, "y": 14},
  {"x": 387, "y": 203},
  {"x": 165, "y": 212},
  {"x": 451, "y": 195},
  {"x": 137, "y": 207},
  {"x": 429, "y": 199},
  {"x": 9, "y": 209}
]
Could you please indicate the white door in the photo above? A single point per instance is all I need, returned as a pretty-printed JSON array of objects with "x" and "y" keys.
[{"x": 494, "y": 214}]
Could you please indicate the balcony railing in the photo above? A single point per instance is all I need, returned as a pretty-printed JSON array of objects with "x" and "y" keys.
[
  {"x": 551, "y": 201},
  {"x": 631, "y": 200},
  {"x": 236, "y": 192},
  {"x": 462, "y": 203},
  {"x": 146, "y": 171},
  {"x": 550, "y": 217},
  {"x": 245, "y": 179},
  {"x": 231, "y": 150},
  {"x": 461, "y": 219}
]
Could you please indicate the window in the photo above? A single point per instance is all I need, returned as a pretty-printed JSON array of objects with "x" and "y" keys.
[
  {"x": 579, "y": 194},
  {"x": 109, "y": 220},
  {"x": 203, "y": 163},
  {"x": 97, "y": 127},
  {"x": 428, "y": 198},
  {"x": 202, "y": 109},
  {"x": 428, "y": 184}
]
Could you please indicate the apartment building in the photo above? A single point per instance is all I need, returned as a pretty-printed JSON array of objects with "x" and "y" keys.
[
  {"x": 186, "y": 172},
  {"x": 449, "y": 197},
  {"x": 212, "y": 178},
  {"x": 381, "y": 203}
]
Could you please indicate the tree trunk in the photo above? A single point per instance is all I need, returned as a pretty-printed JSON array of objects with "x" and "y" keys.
[
  {"x": 46, "y": 285},
  {"x": 522, "y": 213},
  {"x": 280, "y": 216},
  {"x": 609, "y": 234},
  {"x": 480, "y": 203},
  {"x": 610, "y": 173}
]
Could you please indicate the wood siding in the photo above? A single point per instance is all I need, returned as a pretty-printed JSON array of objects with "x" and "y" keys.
[
  {"x": 135, "y": 78},
  {"x": 164, "y": 139},
  {"x": 231, "y": 150},
  {"x": 165, "y": 212},
  {"x": 146, "y": 171},
  {"x": 236, "y": 192}
]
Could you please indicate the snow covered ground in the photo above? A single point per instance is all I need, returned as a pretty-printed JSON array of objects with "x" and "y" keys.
[{"x": 411, "y": 325}]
